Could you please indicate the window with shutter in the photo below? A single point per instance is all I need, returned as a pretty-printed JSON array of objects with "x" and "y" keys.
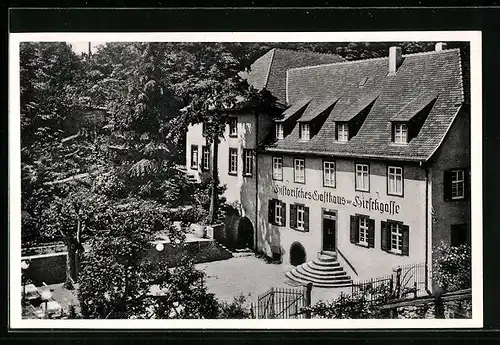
[
  {"x": 447, "y": 185},
  {"x": 384, "y": 236},
  {"x": 405, "y": 250},
  {"x": 354, "y": 229},
  {"x": 306, "y": 218},
  {"x": 283, "y": 208},
  {"x": 271, "y": 211},
  {"x": 293, "y": 216},
  {"x": 371, "y": 233}
]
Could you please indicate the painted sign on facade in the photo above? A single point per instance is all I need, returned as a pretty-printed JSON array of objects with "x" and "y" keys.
[{"x": 369, "y": 204}]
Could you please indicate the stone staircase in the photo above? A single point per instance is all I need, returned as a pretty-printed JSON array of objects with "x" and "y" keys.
[
  {"x": 189, "y": 176},
  {"x": 325, "y": 272}
]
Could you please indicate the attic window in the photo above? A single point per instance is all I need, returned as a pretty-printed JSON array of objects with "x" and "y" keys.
[
  {"x": 363, "y": 81},
  {"x": 280, "y": 134},
  {"x": 400, "y": 133},
  {"x": 305, "y": 131},
  {"x": 342, "y": 131}
]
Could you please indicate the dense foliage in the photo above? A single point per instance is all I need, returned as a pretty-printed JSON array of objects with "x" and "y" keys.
[{"x": 452, "y": 267}]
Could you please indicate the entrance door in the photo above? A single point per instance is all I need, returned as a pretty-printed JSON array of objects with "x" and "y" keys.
[{"x": 329, "y": 226}]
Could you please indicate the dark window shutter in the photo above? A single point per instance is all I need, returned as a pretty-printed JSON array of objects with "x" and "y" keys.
[
  {"x": 283, "y": 208},
  {"x": 466, "y": 183},
  {"x": 458, "y": 234},
  {"x": 447, "y": 185},
  {"x": 371, "y": 233},
  {"x": 406, "y": 240},
  {"x": 384, "y": 236},
  {"x": 306, "y": 218},
  {"x": 271, "y": 211},
  {"x": 336, "y": 131},
  {"x": 354, "y": 235},
  {"x": 293, "y": 216},
  {"x": 393, "y": 130}
]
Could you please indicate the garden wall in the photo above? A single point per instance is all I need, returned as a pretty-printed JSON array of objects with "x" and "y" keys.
[{"x": 51, "y": 268}]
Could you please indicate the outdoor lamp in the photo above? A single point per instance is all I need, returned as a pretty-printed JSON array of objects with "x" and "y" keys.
[
  {"x": 46, "y": 296},
  {"x": 159, "y": 247}
]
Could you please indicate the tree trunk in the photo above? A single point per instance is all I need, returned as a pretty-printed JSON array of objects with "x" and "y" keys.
[
  {"x": 214, "y": 198},
  {"x": 70, "y": 263}
]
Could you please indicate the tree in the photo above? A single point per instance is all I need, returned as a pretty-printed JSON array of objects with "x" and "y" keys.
[{"x": 131, "y": 285}]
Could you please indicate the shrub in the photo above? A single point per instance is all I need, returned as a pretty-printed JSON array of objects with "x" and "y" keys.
[
  {"x": 234, "y": 310},
  {"x": 452, "y": 267}
]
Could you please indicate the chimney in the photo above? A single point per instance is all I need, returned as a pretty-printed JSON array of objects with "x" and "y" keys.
[
  {"x": 395, "y": 59},
  {"x": 440, "y": 46}
]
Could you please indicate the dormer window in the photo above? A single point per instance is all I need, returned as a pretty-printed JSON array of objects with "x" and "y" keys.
[
  {"x": 400, "y": 133},
  {"x": 342, "y": 132},
  {"x": 280, "y": 133},
  {"x": 305, "y": 131}
]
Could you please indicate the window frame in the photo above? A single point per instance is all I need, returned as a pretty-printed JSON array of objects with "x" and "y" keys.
[
  {"x": 457, "y": 182},
  {"x": 295, "y": 170},
  {"x": 399, "y": 237},
  {"x": 229, "y": 170},
  {"x": 356, "y": 187},
  {"x": 302, "y": 131},
  {"x": 279, "y": 130},
  {"x": 278, "y": 205},
  {"x": 302, "y": 208},
  {"x": 194, "y": 163},
  {"x": 247, "y": 153},
  {"x": 205, "y": 149},
  {"x": 281, "y": 169},
  {"x": 395, "y": 132},
  {"x": 334, "y": 185},
  {"x": 395, "y": 179},
  {"x": 345, "y": 125},
  {"x": 366, "y": 229},
  {"x": 233, "y": 121}
]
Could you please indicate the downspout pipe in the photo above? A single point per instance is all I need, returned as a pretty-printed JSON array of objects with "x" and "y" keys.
[
  {"x": 426, "y": 228},
  {"x": 256, "y": 181}
]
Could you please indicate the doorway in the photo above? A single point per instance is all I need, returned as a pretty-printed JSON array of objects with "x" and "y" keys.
[
  {"x": 329, "y": 230},
  {"x": 245, "y": 234},
  {"x": 297, "y": 254}
]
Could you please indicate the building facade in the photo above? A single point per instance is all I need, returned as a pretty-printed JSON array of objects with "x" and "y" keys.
[{"x": 370, "y": 161}]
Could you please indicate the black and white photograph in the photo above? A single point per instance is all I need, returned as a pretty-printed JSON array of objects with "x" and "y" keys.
[{"x": 245, "y": 181}]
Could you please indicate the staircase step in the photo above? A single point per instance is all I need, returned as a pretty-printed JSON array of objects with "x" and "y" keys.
[
  {"x": 331, "y": 284},
  {"x": 326, "y": 258},
  {"x": 318, "y": 278},
  {"x": 315, "y": 272},
  {"x": 318, "y": 263}
]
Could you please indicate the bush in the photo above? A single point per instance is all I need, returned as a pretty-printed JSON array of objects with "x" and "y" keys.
[
  {"x": 234, "y": 310},
  {"x": 452, "y": 267}
]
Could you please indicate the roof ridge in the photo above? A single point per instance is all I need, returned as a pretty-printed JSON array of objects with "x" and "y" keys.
[
  {"x": 308, "y": 51},
  {"x": 373, "y": 59}
]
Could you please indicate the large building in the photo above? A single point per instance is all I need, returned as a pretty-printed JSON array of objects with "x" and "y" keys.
[{"x": 369, "y": 163}]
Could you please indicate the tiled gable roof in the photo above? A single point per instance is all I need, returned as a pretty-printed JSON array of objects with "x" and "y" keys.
[
  {"x": 269, "y": 71},
  {"x": 422, "y": 73}
]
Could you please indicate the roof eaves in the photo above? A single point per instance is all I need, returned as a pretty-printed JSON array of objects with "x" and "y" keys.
[{"x": 345, "y": 154}]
